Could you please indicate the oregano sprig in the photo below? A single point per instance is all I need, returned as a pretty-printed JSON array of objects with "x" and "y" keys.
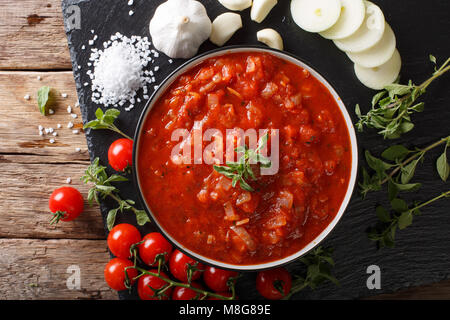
[
  {"x": 398, "y": 168},
  {"x": 318, "y": 263},
  {"x": 392, "y": 108},
  {"x": 105, "y": 120},
  {"x": 102, "y": 186},
  {"x": 399, "y": 217},
  {"x": 241, "y": 170}
]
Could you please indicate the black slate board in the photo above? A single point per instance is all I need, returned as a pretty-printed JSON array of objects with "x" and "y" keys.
[{"x": 422, "y": 253}]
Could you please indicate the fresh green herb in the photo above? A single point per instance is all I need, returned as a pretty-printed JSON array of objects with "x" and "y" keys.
[
  {"x": 442, "y": 165},
  {"x": 318, "y": 263},
  {"x": 43, "y": 96},
  {"x": 400, "y": 217},
  {"x": 96, "y": 174},
  {"x": 392, "y": 108},
  {"x": 400, "y": 169},
  {"x": 241, "y": 170},
  {"x": 105, "y": 120}
]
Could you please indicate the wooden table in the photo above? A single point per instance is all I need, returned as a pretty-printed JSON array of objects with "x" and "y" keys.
[{"x": 34, "y": 256}]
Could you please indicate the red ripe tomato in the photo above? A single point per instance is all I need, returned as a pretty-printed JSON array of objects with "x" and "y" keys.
[
  {"x": 148, "y": 283},
  {"x": 120, "y": 239},
  {"x": 178, "y": 266},
  {"x": 115, "y": 273},
  {"x": 181, "y": 293},
  {"x": 274, "y": 284},
  {"x": 66, "y": 204},
  {"x": 120, "y": 154},
  {"x": 153, "y": 245},
  {"x": 217, "y": 279}
]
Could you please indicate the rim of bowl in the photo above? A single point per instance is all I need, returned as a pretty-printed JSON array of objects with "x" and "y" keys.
[{"x": 191, "y": 63}]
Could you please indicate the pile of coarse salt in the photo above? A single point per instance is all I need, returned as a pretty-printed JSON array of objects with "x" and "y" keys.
[{"x": 119, "y": 70}]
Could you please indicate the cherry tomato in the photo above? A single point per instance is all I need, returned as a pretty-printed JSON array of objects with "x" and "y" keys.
[
  {"x": 178, "y": 266},
  {"x": 217, "y": 279},
  {"x": 120, "y": 239},
  {"x": 66, "y": 204},
  {"x": 181, "y": 293},
  {"x": 148, "y": 283},
  {"x": 153, "y": 245},
  {"x": 115, "y": 273},
  {"x": 274, "y": 284},
  {"x": 120, "y": 154}
]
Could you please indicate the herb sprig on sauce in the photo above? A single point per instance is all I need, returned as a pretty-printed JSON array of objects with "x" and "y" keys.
[{"x": 241, "y": 170}]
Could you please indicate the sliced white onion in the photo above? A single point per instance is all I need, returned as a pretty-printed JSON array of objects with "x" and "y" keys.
[
  {"x": 245, "y": 236},
  {"x": 315, "y": 15},
  {"x": 368, "y": 34},
  {"x": 378, "y": 54},
  {"x": 243, "y": 198},
  {"x": 271, "y": 38},
  {"x": 236, "y": 5},
  {"x": 379, "y": 77},
  {"x": 224, "y": 26},
  {"x": 351, "y": 18},
  {"x": 261, "y": 8}
]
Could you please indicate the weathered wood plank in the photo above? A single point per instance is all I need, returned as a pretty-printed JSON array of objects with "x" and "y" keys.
[
  {"x": 38, "y": 269},
  {"x": 20, "y": 118},
  {"x": 25, "y": 189},
  {"x": 32, "y": 35}
]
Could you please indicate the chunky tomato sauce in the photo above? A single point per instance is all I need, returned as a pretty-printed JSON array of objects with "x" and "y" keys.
[{"x": 199, "y": 207}]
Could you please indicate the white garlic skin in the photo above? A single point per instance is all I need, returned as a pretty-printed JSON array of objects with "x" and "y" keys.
[{"x": 179, "y": 27}]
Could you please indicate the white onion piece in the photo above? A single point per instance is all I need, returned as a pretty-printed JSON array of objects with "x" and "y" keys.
[
  {"x": 285, "y": 199},
  {"x": 271, "y": 38},
  {"x": 245, "y": 236},
  {"x": 368, "y": 35},
  {"x": 351, "y": 18},
  {"x": 261, "y": 8},
  {"x": 379, "y": 77},
  {"x": 315, "y": 15},
  {"x": 224, "y": 26},
  {"x": 378, "y": 54},
  {"x": 236, "y": 5},
  {"x": 230, "y": 215},
  {"x": 244, "y": 197}
]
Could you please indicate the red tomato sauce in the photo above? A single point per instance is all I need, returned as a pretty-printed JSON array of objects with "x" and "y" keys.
[{"x": 199, "y": 207}]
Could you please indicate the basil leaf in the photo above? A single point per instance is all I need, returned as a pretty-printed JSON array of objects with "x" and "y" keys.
[{"x": 43, "y": 95}]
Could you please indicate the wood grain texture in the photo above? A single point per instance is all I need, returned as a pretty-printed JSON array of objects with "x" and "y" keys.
[
  {"x": 20, "y": 118},
  {"x": 38, "y": 269},
  {"x": 32, "y": 35}
]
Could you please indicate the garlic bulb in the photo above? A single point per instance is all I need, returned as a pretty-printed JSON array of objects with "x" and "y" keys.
[{"x": 179, "y": 27}]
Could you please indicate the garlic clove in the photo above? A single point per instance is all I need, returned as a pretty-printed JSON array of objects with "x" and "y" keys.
[
  {"x": 224, "y": 26},
  {"x": 271, "y": 38},
  {"x": 236, "y": 5},
  {"x": 179, "y": 27},
  {"x": 261, "y": 8}
]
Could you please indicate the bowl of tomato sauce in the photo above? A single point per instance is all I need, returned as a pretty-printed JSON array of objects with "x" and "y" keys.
[{"x": 245, "y": 158}]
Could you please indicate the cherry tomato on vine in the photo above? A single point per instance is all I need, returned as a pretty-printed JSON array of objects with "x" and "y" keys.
[
  {"x": 115, "y": 273},
  {"x": 66, "y": 204},
  {"x": 120, "y": 239},
  {"x": 217, "y": 279},
  {"x": 178, "y": 265},
  {"x": 154, "y": 244},
  {"x": 181, "y": 293},
  {"x": 147, "y": 284},
  {"x": 274, "y": 284},
  {"x": 120, "y": 154}
]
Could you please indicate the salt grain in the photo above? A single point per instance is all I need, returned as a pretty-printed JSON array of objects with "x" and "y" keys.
[
  {"x": 131, "y": 12},
  {"x": 64, "y": 95},
  {"x": 59, "y": 126},
  {"x": 52, "y": 141},
  {"x": 69, "y": 180},
  {"x": 70, "y": 125},
  {"x": 77, "y": 149},
  {"x": 51, "y": 111},
  {"x": 27, "y": 97},
  {"x": 75, "y": 131},
  {"x": 69, "y": 109},
  {"x": 130, "y": 2}
]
